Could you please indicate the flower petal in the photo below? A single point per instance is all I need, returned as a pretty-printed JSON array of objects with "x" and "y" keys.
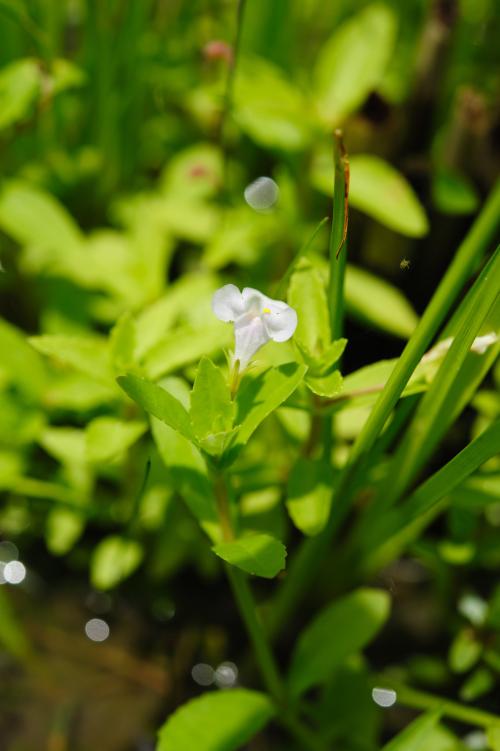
[
  {"x": 227, "y": 303},
  {"x": 250, "y": 335},
  {"x": 281, "y": 322}
]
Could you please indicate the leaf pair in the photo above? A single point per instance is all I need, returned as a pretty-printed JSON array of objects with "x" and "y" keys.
[{"x": 209, "y": 424}]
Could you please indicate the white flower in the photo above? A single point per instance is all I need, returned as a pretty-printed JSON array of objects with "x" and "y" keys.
[{"x": 256, "y": 318}]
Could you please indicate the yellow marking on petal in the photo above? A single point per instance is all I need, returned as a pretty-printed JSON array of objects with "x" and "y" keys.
[{"x": 266, "y": 310}]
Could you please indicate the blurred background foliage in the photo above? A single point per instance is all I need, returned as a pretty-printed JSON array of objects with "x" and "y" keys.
[{"x": 126, "y": 144}]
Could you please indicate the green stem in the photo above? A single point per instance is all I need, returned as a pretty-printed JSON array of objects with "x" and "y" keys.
[
  {"x": 263, "y": 653},
  {"x": 337, "y": 250},
  {"x": 262, "y": 649},
  {"x": 410, "y": 697}
]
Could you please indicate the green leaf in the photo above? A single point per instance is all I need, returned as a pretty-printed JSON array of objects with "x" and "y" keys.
[
  {"x": 63, "y": 529},
  {"x": 378, "y": 303},
  {"x": 19, "y": 89},
  {"x": 383, "y": 193},
  {"x": 352, "y": 62},
  {"x": 222, "y": 721},
  {"x": 158, "y": 402},
  {"x": 260, "y": 554},
  {"x": 341, "y": 629},
  {"x": 185, "y": 345},
  {"x": 307, "y": 294},
  {"x": 465, "y": 651},
  {"x": 453, "y": 193},
  {"x": 268, "y": 107},
  {"x": 309, "y": 495},
  {"x": 107, "y": 437},
  {"x": 19, "y": 364},
  {"x": 377, "y": 189},
  {"x": 113, "y": 560},
  {"x": 493, "y": 735},
  {"x": 123, "y": 342},
  {"x": 212, "y": 410},
  {"x": 35, "y": 218},
  {"x": 260, "y": 396},
  {"x": 89, "y": 355},
  {"x": 415, "y": 737},
  {"x": 327, "y": 386}
]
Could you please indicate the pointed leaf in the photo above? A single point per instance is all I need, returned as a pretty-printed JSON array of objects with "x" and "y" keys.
[
  {"x": 351, "y": 64},
  {"x": 327, "y": 386},
  {"x": 212, "y": 409},
  {"x": 158, "y": 402},
  {"x": 415, "y": 737},
  {"x": 263, "y": 394},
  {"x": 309, "y": 495},
  {"x": 89, "y": 355},
  {"x": 261, "y": 555},
  {"x": 108, "y": 437},
  {"x": 222, "y": 721},
  {"x": 341, "y": 629},
  {"x": 113, "y": 560}
]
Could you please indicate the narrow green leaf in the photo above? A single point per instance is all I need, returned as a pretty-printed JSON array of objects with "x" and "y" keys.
[
  {"x": 415, "y": 737},
  {"x": 113, "y": 560},
  {"x": 260, "y": 396},
  {"x": 158, "y": 402},
  {"x": 222, "y": 721},
  {"x": 123, "y": 342},
  {"x": 341, "y": 629},
  {"x": 351, "y": 64},
  {"x": 261, "y": 555},
  {"x": 212, "y": 410},
  {"x": 309, "y": 495}
]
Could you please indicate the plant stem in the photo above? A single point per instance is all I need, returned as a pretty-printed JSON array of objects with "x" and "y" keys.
[
  {"x": 410, "y": 697},
  {"x": 263, "y": 653},
  {"x": 337, "y": 237},
  {"x": 262, "y": 649}
]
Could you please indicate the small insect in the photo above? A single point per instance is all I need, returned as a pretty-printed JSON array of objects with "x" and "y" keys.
[{"x": 404, "y": 265}]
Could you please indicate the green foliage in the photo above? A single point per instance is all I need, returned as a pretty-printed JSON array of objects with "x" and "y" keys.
[
  {"x": 261, "y": 555},
  {"x": 309, "y": 495},
  {"x": 353, "y": 61},
  {"x": 415, "y": 735},
  {"x": 340, "y": 630},
  {"x": 216, "y": 722},
  {"x": 113, "y": 560},
  {"x": 129, "y": 132}
]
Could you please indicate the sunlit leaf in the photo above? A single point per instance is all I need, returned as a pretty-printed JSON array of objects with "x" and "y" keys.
[
  {"x": 108, "y": 437},
  {"x": 341, "y": 629},
  {"x": 309, "y": 495},
  {"x": 416, "y": 736},
  {"x": 212, "y": 409},
  {"x": 258, "y": 554},
  {"x": 114, "y": 559},
  {"x": 158, "y": 402},
  {"x": 353, "y": 61},
  {"x": 222, "y": 721}
]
